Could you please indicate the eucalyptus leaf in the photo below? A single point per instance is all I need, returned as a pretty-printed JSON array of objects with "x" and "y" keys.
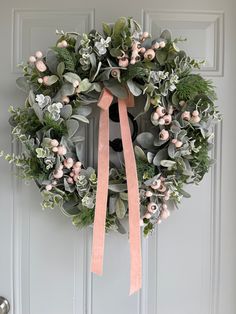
[
  {"x": 52, "y": 79},
  {"x": 116, "y": 88},
  {"x": 84, "y": 85},
  {"x": 80, "y": 118},
  {"x": 168, "y": 163},
  {"x": 120, "y": 208},
  {"x": 66, "y": 112},
  {"x": 161, "y": 155},
  {"x": 83, "y": 110},
  {"x": 161, "y": 56},
  {"x": 119, "y": 187},
  {"x": 60, "y": 69},
  {"x": 31, "y": 98},
  {"x": 72, "y": 77},
  {"x": 38, "y": 111},
  {"x": 140, "y": 153},
  {"x": 145, "y": 139},
  {"x": 166, "y": 34},
  {"x": 72, "y": 127},
  {"x": 52, "y": 61},
  {"x": 184, "y": 193},
  {"x": 121, "y": 229},
  {"x": 134, "y": 89}
]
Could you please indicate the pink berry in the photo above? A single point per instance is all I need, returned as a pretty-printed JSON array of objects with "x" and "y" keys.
[
  {"x": 40, "y": 65},
  {"x": 156, "y": 184},
  {"x": 54, "y": 143},
  {"x": 161, "y": 121},
  {"x": 152, "y": 207},
  {"x": 149, "y": 194},
  {"x": 142, "y": 50},
  {"x": 40, "y": 80},
  {"x": 45, "y": 80},
  {"x": 68, "y": 163},
  {"x": 155, "y": 116},
  {"x": 76, "y": 83},
  {"x": 147, "y": 215},
  {"x": 195, "y": 119},
  {"x": 186, "y": 115},
  {"x": 48, "y": 187},
  {"x": 64, "y": 43},
  {"x": 156, "y": 45},
  {"x": 159, "y": 221},
  {"x": 55, "y": 149},
  {"x": 78, "y": 164},
  {"x": 59, "y": 45},
  {"x": 62, "y": 150},
  {"x": 141, "y": 223},
  {"x": 162, "y": 188},
  {"x": 167, "y": 119},
  {"x": 58, "y": 174},
  {"x": 195, "y": 113},
  {"x": 32, "y": 59},
  {"x": 66, "y": 99},
  {"x": 178, "y": 144},
  {"x": 70, "y": 180},
  {"x": 174, "y": 141},
  {"x": 164, "y": 135},
  {"x": 60, "y": 167},
  {"x": 165, "y": 214},
  {"x": 145, "y": 34},
  {"x": 161, "y": 111},
  {"x": 149, "y": 54},
  {"x": 38, "y": 54},
  {"x": 72, "y": 174},
  {"x": 124, "y": 62}
]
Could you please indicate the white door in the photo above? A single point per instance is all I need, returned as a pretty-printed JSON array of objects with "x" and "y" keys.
[{"x": 189, "y": 263}]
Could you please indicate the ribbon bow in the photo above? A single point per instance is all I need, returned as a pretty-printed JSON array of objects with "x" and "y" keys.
[{"x": 104, "y": 103}]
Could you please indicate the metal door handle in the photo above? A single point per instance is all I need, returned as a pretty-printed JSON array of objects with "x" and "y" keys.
[{"x": 4, "y": 306}]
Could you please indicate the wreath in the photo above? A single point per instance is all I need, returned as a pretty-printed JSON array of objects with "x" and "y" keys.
[{"x": 121, "y": 65}]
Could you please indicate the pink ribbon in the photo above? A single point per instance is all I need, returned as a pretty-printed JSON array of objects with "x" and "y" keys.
[{"x": 104, "y": 103}]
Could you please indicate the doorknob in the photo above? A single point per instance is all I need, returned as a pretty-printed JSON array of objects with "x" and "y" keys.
[{"x": 4, "y": 306}]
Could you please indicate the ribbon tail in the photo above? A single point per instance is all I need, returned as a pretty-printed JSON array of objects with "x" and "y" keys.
[
  {"x": 102, "y": 185},
  {"x": 133, "y": 200}
]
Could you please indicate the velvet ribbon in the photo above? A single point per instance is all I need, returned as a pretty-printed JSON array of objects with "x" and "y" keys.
[{"x": 104, "y": 103}]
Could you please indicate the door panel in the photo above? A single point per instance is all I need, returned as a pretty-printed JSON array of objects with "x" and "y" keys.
[{"x": 188, "y": 263}]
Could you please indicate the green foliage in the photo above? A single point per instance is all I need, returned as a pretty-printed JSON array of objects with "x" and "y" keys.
[{"x": 67, "y": 57}]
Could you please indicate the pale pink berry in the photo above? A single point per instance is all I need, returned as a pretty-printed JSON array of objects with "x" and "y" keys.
[
  {"x": 167, "y": 119},
  {"x": 149, "y": 54},
  {"x": 54, "y": 182},
  {"x": 165, "y": 214},
  {"x": 78, "y": 164},
  {"x": 64, "y": 43},
  {"x": 147, "y": 215},
  {"x": 38, "y": 54},
  {"x": 164, "y": 135},
  {"x": 156, "y": 184},
  {"x": 161, "y": 111},
  {"x": 162, "y": 188},
  {"x": 145, "y": 34},
  {"x": 195, "y": 119},
  {"x": 60, "y": 167},
  {"x": 142, "y": 50},
  {"x": 167, "y": 195},
  {"x": 162, "y": 44},
  {"x": 76, "y": 83},
  {"x": 132, "y": 61},
  {"x": 68, "y": 163},
  {"x": 152, "y": 207},
  {"x": 159, "y": 221},
  {"x": 161, "y": 121},
  {"x": 58, "y": 174},
  {"x": 59, "y": 45},
  {"x": 32, "y": 59},
  {"x": 164, "y": 206},
  {"x": 70, "y": 180},
  {"x": 48, "y": 187},
  {"x": 40, "y": 80},
  {"x": 124, "y": 62},
  {"x": 156, "y": 45},
  {"x": 178, "y": 144},
  {"x": 66, "y": 99},
  {"x": 174, "y": 141},
  {"x": 72, "y": 174},
  {"x": 149, "y": 194},
  {"x": 55, "y": 149},
  {"x": 54, "y": 143},
  {"x": 45, "y": 80},
  {"x": 40, "y": 65},
  {"x": 186, "y": 115},
  {"x": 62, "y": 150},
  {"x": 155, "y": 116},
  {"x": 195, "y": 113}
]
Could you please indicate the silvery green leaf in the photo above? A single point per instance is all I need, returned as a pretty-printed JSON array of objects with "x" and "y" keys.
[
  {"x": 72, "y": 77},
  {"x": 167, "y": 163},
  {"x": 84, "y": 85},
  {"x": 77, "y": 139},
  {"x": 161, "y": 56},
  {"x": 171, "y": 150},
  {"x": 71, "y": 207},
  {"x": 105, "y": 75},
  {"x": 150, "y": 157},
  {"x": 119, "y": 187},
  {"x": 134, "y": 89},
  {"x": 175, "y": 127},
  {"x": 112, "y": 204},
  {"x": 161, "y": 155},
  {"x": 66, "y": 112},
  {"x": 60, "y": 69},
  {"x": 83, "y": 110},
  {"x": 80, "y": 118},
  {"x": 22, "y": 84},
  {"x": 52, "y": 79},
  {"x": 52, "y": 61},
  {"x": 116, "y": 88},
  {"x": 140, "y": 153},
  {"x": 97, "y": 71},
  {"x": 79, "y": 151},
  {"x": 182, "y": 134},
  {"x": 124, "y": 196},
  {"x": 69, "y": 187},
  {"x": 184, "y": 193},
  {"x": 175, "y": 99},
  {"x": 158, "y": 142},
  {"x": 121, "y": 229},
  {"x": 31, "y": 98},
  {"x": 166, "y": 34},
  {"x": 145, "y": 139},
  {"x": 120, "y": 208},
  {"x": 38, "y": 111},
  {"x": 72, "y": 127}
]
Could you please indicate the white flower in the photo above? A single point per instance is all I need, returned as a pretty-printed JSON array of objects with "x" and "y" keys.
[
  {"x": 102, "y": 45},
  {"x": 42, "y": 100},
  {"x": 174, "y": 79},
  {"x": 54, "y": 110},
  {"x": 157, "y": 76}
]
